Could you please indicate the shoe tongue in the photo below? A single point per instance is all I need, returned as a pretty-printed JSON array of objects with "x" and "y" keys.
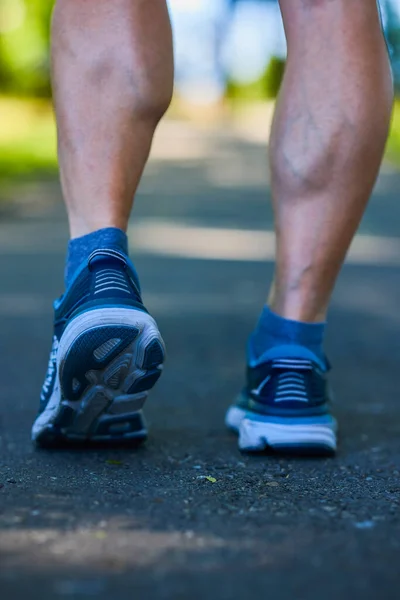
[{"x": 106, "y": 255}]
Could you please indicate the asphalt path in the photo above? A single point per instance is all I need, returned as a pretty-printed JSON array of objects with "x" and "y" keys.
[{"x": 124, "y": 523}]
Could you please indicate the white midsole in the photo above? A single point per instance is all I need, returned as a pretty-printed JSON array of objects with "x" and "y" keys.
[
  {"x": 257, "y": 434},
  {"x": 99, "y": 317},
  {"x": 49, "y": 415},
  {"x": 234, "y": 418},
  {"x": 84, "y": 322}
]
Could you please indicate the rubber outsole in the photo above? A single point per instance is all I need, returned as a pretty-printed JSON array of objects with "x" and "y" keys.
[
  {"x": 299, "y": 436},
  {"x": 105, "y": 372}
]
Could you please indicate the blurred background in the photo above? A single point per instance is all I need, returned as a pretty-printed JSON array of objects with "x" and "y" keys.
[
  {"x": 78, "y": 525},
  {"x": 230, "y": 57}
]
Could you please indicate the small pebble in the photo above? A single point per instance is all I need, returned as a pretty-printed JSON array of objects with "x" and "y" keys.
[{"x": 365, "y": 525}]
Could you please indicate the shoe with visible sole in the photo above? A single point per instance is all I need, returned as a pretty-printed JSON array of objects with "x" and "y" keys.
[
  {"x": 107, "y": 354},
  {"x": 285, "y": 407}
]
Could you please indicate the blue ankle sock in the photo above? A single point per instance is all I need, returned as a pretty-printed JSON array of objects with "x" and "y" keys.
[
  {"x": 276, "y": 337},
  {"x": 79, "y": 249}
]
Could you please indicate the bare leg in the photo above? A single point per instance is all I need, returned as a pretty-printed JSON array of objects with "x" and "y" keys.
[
  {"x": 112, "y": 80},
  {"x": 328, "y": 137}
]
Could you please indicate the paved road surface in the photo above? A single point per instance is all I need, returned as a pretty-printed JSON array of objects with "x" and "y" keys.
[{"x": 124, "y": 523}]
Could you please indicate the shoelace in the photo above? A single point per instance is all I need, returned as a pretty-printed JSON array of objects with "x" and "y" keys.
[{"x": 291, "y": 383}]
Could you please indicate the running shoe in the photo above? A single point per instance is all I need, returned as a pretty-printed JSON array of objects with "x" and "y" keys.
[
  {"x": 285, "y": 407},
  {"x": 107, "y": 354}
]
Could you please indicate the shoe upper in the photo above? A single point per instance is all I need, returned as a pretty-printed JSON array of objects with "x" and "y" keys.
[
  {"x": 108, "y": 278},
  {"x": 286, "y": 386}
]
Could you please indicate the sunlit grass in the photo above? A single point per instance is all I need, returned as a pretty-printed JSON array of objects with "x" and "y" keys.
[
  {"x": 393, "y": 146},
  {"x": 27, "y": 138}
]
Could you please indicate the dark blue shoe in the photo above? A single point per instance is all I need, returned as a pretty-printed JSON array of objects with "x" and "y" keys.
[
  {"x": 285, "y": 406},
  {"x": 107, "y": 354}
]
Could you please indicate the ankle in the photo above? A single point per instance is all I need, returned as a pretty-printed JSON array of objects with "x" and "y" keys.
[
  {"x": 80, "y": 248},
  {"x": 297, "y": 307},
  {"x": 81, "y": 226},
  {"x": 274, "y": 332},
  {"x": 302, "y": 314}
]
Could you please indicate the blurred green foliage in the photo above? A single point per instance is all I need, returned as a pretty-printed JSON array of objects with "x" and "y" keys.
[
  {"x": 27, "y": 130},
  {"x": 27, "y": 138},
  {"x": 24, "y": 43},
  {"x": 267, "y": 87},
  {"x": 393, "y": 145}
]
